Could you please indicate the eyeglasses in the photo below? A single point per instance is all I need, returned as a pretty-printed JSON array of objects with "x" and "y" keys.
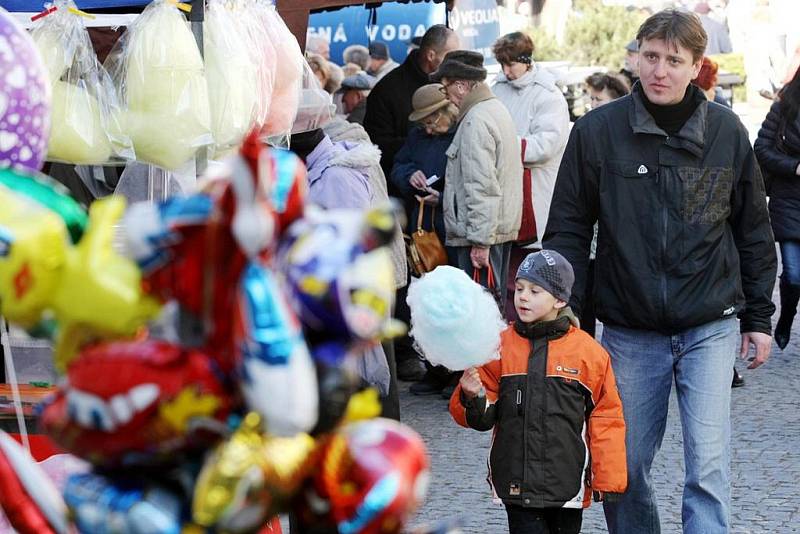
[{"x": 458, "y": 83}]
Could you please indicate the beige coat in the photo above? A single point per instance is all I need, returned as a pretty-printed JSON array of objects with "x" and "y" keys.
[{"x": 483, "y": 187}]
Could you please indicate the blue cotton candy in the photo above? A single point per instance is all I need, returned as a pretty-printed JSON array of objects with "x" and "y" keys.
[{"x": 454, "y": 321}]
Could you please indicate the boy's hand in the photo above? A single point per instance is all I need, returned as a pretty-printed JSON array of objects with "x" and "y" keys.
[{"x": 471, "y": 383}]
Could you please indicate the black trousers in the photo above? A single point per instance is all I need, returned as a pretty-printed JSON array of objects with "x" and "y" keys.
[{"x": 543, "y": 520}]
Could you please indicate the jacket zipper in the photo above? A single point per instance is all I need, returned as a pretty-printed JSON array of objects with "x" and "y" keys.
[{"x": 664, "y": 219}]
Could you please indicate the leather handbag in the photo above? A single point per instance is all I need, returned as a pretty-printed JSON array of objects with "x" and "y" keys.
[
  {"x": 424, "y": 250},
  {"x": 527, "y": 228}
]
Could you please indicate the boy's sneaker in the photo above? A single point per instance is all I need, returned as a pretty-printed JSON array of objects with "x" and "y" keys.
[{"x": 411, "y": 370}]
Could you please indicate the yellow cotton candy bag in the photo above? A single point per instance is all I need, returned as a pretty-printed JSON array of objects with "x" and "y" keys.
[
  {"x": 77, "y": 133},
  {"x": 159, "y": 74},
  {"x": 231, "y": 74},
  {"x": 84, "y": 101}
]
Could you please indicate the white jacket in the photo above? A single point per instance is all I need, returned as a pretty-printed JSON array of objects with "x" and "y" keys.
[{"x": 541, "y": 117}]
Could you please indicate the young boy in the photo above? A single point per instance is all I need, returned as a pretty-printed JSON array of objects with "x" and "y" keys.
[{"x": 552, "y": 400}]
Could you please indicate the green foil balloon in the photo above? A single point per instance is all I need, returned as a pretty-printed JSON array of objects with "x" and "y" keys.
[{"x": 51, "y": 195}]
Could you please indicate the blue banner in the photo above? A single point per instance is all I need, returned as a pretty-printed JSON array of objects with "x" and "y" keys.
[{"x": 477, "y": 23}]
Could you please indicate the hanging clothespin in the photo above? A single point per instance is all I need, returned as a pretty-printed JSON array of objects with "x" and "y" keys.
[
  {"x": 43, "y": 13},
  {"x": 186, "y": 8},
  {"x": 80, "y": 13}
]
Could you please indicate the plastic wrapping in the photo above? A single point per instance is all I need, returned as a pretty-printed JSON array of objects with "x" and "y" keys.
[
  {"x": 159, "y": 75},
  {"x": 262, "y": 54},
  {"x": 288, "y": 75},
  {"x": 233, "y": 89},
  {"x": 315, "y": 108},
  {"x": 84, "y": 102}
]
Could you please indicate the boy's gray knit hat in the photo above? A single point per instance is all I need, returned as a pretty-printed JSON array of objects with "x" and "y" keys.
[{"x": 549, "y": 270}]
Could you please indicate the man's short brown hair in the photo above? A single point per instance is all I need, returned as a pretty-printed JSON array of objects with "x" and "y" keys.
[
  {"x": 676, "y": 28},
  {"x": 511, "y": 47}
]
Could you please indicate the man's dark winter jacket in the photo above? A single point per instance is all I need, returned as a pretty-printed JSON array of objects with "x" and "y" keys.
[
  {"x": 388, "y": 108},
  {"x": 779, "y": 155},
  {"x": 684, "y": 236}
]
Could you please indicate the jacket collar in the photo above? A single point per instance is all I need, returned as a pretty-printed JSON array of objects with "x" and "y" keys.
[
  {"x": 412, "y": 65},
  {"x": 544, "y": 329},
  {"x": 691, "y": 137},
  {"x": 481, "y": 93},
  {"x": 535, "y": 76}
]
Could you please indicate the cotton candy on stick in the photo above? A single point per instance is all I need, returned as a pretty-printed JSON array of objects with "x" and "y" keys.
[{"x": 454, "y": 321}]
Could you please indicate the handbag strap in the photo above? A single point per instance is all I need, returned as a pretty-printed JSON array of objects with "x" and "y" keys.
[
  {"x": 422, "y": 213},
  {"x": 490, "y": 282}
]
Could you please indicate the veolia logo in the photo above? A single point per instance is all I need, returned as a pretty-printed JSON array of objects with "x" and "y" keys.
[{"x": 473, "y": 17}]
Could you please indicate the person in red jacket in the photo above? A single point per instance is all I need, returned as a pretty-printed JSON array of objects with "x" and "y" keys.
[{"x": 551, "y": 398}]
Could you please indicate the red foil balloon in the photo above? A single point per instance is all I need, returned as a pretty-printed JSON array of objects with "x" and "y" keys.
[{"x": 134, "y": 403}]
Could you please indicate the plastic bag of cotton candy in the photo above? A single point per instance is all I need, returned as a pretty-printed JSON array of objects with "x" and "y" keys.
[{"x": 454, "y": 321}]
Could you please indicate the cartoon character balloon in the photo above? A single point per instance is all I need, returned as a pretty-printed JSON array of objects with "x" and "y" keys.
[{"x": 24, "y": 98}]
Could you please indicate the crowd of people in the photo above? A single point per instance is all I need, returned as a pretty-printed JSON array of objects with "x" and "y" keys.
[{"x": 648, "y": 214}]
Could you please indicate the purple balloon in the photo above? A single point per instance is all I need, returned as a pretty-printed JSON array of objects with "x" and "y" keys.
[{"x": 24, "y": 99}]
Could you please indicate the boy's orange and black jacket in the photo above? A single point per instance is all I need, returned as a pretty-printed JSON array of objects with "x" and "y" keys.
[{"x": 552, "y": 400}]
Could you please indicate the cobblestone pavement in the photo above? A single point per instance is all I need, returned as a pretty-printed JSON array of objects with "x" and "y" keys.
[{"x": 765, "y": 457}]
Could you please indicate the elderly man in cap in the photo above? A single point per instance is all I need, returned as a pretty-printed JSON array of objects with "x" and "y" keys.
[
  {"x": 483, "y": 192},
  {"x": 355, "y": 90},
  {"x": 380, "y": 62},
  {"x": 631, "y": 68}
]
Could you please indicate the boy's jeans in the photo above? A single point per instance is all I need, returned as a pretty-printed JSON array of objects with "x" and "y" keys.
[{"x": 644, "y": 362}]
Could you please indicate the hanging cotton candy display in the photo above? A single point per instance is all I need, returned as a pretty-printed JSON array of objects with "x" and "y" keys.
[
  {"x": 288, "y": 75},
  {"x": 84, "y": 101},
  {"x": 232, "y": 78},
  {"x": 454, "y": 320},
  {"x": 158, "y": 69}
]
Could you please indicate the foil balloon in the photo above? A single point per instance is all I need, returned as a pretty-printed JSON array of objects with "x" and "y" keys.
[
  {"x": 100, "y": 504},
  {"x": 281, "y": 177},
  {"x": 24, "y": 99},
  {"x": 340, "y": 273},
  {"x": 275, "y": 361},
  {"x": 50, "y": 194},
  {"x": 250, "y": 478},
  {"x": 91, "y": 290},
  {"x": 28, "y": 498},
  {"x": 163, "y": 399},
  {"x": 372, "y": 476}
]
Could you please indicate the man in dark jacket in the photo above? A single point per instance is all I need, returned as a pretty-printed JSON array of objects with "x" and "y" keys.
[
  {"x": 389, "y": 103},
  {"x": 684, "y": 246}
]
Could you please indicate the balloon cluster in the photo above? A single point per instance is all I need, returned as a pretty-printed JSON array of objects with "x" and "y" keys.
[{"x": 246, "y": 407}]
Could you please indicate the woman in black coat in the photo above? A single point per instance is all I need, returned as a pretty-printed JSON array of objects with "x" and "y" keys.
[{"x": 778, "y": 151}]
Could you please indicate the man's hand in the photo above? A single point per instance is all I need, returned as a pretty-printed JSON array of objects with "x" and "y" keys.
[
  {"x": 418, "y": 180},
  {"x": 471, "y": 384},
  {"x": 762, "y": 343},
  {"x": 479, "y": 257}
]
